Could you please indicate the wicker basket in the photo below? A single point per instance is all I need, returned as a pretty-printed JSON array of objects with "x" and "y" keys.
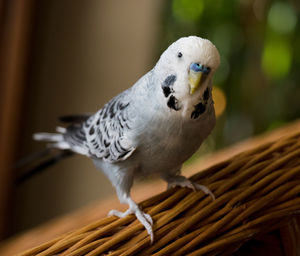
[{"x": 256, "y": 191}]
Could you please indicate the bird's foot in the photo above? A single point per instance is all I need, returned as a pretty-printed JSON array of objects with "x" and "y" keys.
[
  {"x": 143, "y": 217},
  {"x": 184, "y": 182}
]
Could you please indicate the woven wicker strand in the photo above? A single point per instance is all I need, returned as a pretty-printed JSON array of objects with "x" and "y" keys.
[{"x": 256, "y": 191}]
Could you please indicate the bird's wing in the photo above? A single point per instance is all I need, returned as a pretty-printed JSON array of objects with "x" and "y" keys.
[{"x": 104, "y": 134}]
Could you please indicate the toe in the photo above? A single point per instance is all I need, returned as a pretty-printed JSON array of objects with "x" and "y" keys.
[
  {"x": 115, "y": 213},
  {"x": 205, "y": 189},
  {"x": 186, "y": 183},
  {"x": 118, "y": 213},
  {"x": 191, "y": 185},
  {"x": 180, "y": 181},
  {"x": 149, "y": 219},
  {"x": 146, "y": 220}
]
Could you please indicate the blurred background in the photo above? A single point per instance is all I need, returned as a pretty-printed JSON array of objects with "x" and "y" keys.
[{"x": 59, "y": 57}]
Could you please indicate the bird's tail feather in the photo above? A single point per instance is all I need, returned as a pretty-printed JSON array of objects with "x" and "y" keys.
[
  {"x": 50, "y": 137},
  {"x": 57, "y": 150},
  {"x": 56, "y": 138}
]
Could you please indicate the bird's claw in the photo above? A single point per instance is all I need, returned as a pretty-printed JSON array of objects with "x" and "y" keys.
[
  {"x": 118, "y": 213},
  {"x": 143, "y": 217},
  {"x": 186, "y": 183}
]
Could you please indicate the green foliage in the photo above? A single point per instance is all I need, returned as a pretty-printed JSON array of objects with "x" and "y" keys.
[
  {"x": 282, "y": 17},
  {"x": 259, "y": 43},
  {"x": 277, "y": 59},
  {"x": 187, "y": 10}
]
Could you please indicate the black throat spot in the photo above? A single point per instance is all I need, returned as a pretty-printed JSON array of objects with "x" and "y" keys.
[
  {"x": 173, "y": 103},
  {"x": 167, "y": 85},
  {"x": 206, "y": 94},
  {"x": 166, "y": 90},
  {"x": 199, "y": 109}
]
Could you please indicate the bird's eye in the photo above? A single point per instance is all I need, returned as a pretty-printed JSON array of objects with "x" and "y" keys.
[{"x": 179, "y": 55}]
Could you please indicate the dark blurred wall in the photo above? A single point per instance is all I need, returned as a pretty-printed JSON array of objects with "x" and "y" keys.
[{"x": 84, "y": 53}]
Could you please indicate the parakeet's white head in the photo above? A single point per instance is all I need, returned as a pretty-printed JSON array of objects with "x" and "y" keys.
[{"x": 191, "y": 61}]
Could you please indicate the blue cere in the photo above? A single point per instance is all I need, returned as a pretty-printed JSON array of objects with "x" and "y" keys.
[{"x": 199, "y": 68}]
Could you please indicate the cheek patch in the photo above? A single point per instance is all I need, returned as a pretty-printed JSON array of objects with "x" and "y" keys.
[{"x": 167, "y": 85}]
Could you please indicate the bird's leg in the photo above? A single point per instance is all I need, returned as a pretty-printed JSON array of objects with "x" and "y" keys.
[
  {"x": 179, "y": 180},
  {"x": 123, "y": 192},
  {"x": 143, "y": 217}
]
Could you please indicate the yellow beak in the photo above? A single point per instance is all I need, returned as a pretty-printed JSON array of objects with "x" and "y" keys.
[{"x": 194, "y": 79}]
